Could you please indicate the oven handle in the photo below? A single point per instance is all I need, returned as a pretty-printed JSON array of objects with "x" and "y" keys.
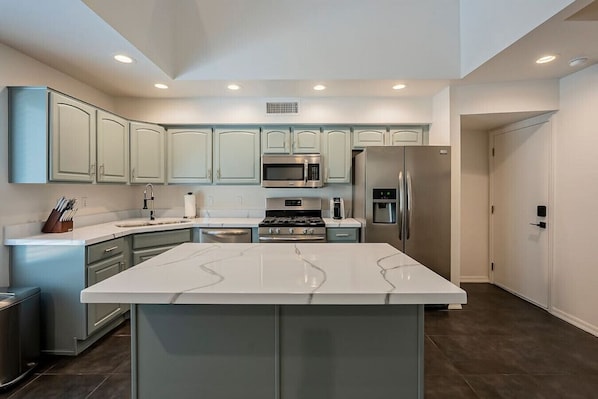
[
  {"x": 289, "y": 239},
  {"x": 224, "y": 233},
  {"x": 305, "y": 169}
]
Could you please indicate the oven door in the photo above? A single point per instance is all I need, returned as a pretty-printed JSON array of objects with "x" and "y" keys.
[{"x": 296, "y": 238}]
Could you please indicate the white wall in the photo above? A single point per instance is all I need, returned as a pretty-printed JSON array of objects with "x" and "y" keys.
[
  {"x": 22, "y": 203},
  {"x": 474, "y": 206},
  {"x": 250, "y": 110},
  {"x": 575, "y": 264}
]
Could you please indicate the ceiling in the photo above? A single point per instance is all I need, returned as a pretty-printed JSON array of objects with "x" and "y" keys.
[{"x": 283, "y": 48}]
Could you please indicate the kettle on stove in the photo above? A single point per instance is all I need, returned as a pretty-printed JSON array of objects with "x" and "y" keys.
[{"x": 337, "y": 208}]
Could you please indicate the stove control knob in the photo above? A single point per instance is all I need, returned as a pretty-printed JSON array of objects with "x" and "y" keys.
[
  {"x": 291, "y": 230},
  {"x": 311, "y": 231},
  {"x": 270, "y": 230},
  {"x": 277, "y": 231},
  {"x": 304, "y": 231}
]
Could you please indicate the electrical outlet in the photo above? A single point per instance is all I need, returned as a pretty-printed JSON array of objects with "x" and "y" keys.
[{"x": 83, "y": 202}]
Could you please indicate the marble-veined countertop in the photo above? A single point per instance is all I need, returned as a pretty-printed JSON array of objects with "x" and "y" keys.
[
  {"x": 283, "y": 273},
  {"x": 106, "y": 231}
]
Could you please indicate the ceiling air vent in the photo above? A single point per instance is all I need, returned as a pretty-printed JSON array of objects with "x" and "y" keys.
[{"x": 282, "y": 107}]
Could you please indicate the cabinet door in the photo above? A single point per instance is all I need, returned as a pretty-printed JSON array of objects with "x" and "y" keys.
[
  {"x": 237, "y": 156},
  {"x": 113, "y": 148},
  {"x": 406, "y": 136},
  {"x": 144, "y": 254},
  {"x": 99, "y": 314},
  {"x": 364, "y": 137},
  {"x": 147, "y": 153},
  {"x": 189, "y": 155},
  {"x": 73, "y": 138},
  {"x": 337, "y": 155},
  {"x": 306, "y": 141},
  {"x": 276, "y": 140}
]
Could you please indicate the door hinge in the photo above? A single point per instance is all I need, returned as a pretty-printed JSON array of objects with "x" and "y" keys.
[
  {"x": 492, "y": 266},
  {"x": 492, "y": 151}
]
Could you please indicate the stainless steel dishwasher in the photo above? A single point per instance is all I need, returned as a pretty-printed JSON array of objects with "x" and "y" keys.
[{"x": 225, "y": 235}]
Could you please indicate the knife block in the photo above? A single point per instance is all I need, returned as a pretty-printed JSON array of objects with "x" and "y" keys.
[{"x": 54, "y": 225}]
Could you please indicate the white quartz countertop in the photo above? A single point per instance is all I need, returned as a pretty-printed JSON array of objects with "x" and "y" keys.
[
  {"x": 106, "y": 231},
  {"x": 339, "y": 274}
]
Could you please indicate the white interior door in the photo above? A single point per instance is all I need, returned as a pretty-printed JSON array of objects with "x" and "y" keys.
[{"x": 520, "y": 182}]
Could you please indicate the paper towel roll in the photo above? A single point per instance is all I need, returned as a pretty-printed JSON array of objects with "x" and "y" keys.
[{"x": 190, "y": 206}]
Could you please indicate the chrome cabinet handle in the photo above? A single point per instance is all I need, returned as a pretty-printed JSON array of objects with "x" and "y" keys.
[
  {"x": 110, "y": 249},
  {"x": 342, "y": 235},
  {"x": 209, "y": 174},
  {"x": 224, "y": 233}
]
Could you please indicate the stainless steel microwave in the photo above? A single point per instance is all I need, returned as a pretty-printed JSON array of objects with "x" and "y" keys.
[{"x": 300, "y": 170}]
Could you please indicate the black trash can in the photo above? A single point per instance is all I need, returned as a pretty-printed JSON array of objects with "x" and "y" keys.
[{"x": 19, "y": 333}]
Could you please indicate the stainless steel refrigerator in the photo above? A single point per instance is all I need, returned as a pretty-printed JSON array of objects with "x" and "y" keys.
[{"x": 402, "y": 196}]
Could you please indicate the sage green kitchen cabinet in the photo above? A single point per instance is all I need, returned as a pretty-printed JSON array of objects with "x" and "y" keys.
[
  {"x": 73, "y": 139},
  {"x": 189, "y": 155},
  {"x": 336, "y": 154},
  {"x": 286, "y": 140},
  {"x": 147, "y": 153},
  {"x": 406, "y": 135},
  {"x": 237, "y": 155},
  {"x": 104, "y": 260},
  {"x": 61, "y": 271},
  {"x": 306, "y": 140},
  {"x": 147, "y": 245},
  {"x": 52, "y": 137},
  {"x": 112, "y": 148},
  {"x": 276, "y": 140},
  {"x": 342, "y": 234},
  {"x": 369, "y": 136}
]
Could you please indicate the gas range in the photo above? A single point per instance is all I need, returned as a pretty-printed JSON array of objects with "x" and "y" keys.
[{"x": 293, "y": 220}]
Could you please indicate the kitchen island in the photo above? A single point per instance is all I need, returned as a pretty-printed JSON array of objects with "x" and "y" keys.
[{"x": 277, "y": 320}]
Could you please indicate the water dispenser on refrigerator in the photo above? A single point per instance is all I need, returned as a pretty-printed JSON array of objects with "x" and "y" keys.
[{"x": 384, "y": 201}]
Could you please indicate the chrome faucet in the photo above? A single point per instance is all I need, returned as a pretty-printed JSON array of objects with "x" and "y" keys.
[{"x": 150, "y": 198}]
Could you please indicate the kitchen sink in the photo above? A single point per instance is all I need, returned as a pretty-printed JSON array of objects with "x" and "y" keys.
[{"x": 145, "y": 222}]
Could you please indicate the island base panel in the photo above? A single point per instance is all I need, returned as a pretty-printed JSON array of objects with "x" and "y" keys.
[{"x": 277, "y": 351}]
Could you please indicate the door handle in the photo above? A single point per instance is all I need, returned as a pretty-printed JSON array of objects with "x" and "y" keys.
[
  {"x": 401, "y": 205},
  {"x": 541, "y": 225}
]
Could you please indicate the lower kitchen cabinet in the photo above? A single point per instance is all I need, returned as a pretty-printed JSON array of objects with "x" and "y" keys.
[
  {"x": 61, "y": 271},
  {"x": 342, "y": 234},
  {"x": 148, "y": 245}
]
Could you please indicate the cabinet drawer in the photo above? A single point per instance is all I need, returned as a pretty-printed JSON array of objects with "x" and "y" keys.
[
  {"x": 342, "y": 235},
  {"x": 161, "y": 238},
  {"x": 105, "y": 250}
]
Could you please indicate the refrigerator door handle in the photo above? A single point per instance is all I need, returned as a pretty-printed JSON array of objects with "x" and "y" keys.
[
  {"x": 408, "y": 201},
  {"x": 401, "y": 205}
]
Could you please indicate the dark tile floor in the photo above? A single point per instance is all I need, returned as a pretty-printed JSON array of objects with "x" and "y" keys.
[{"x": 498, "y": 346}]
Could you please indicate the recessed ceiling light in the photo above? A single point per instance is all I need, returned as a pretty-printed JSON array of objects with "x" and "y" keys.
[
  {"x": 233, "y": 87},
  {"x": 319, "y": 87},
  {"x": 125, "y": 59},
  {"x": 577, "y": 61},
  {"x": 400, "y": 86},
  {"x": 160, "y": 86},
  {"x": 545, "y": 59}
]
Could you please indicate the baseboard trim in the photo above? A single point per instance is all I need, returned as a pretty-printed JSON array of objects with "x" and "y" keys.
[
  {"x": 475, "y": 279},
  {"x": 577, "y": 322}
]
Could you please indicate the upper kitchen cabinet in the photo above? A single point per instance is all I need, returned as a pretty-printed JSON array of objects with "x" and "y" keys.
[
  {"x": 306, "y": 140},
  {"x": 276, "y": 140},
  {"x": 406, "y": 135},
  {"x": 365, "y": 136},
  {"x": 237, "y": 156},
  {"x": 336, "y": 153},
  {"x": 189, "y": 155},
  {"x": 284, "y": 140},
  {"x": 52, "y": 137},
  {"x": 147, "y": 153},
  {"x": 113, "y": 148}
]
